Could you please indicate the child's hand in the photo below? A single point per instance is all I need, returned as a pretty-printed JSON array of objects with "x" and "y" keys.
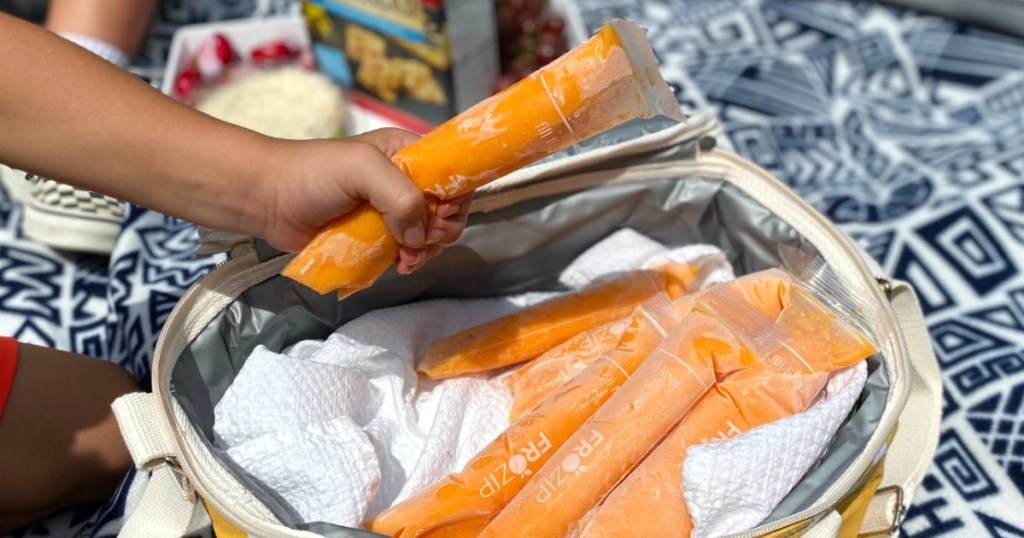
[{"x": 324, "y": 179}]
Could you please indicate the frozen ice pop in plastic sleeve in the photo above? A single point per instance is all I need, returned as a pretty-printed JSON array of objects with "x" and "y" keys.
[
  {"x": 532, "y": 331},
  {"x": 611, "y": 78},
  {"x": 465, "y": 501},
  {"x": 782, "y": 385},
  {"x": 620, "y": 433}
]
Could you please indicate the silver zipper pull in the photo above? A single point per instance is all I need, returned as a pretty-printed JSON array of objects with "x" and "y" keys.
[{"x": 886, "y": 286}]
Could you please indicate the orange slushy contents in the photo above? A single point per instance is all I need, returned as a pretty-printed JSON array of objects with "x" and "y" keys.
[
  {"x": 501, "y": 469},
  {"x": 605, "y": 81},
  {"x": 532, "y": 331},
  {"x": 321, "y": 265}
]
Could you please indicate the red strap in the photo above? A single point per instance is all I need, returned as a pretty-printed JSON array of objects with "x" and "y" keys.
[{"x": 8, "y": 365}]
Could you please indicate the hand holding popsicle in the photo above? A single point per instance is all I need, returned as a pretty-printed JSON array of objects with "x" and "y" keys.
[{"x": 604, "y": 82}]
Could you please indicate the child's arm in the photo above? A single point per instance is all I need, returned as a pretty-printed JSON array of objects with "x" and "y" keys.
[{"x": 67, "y": 115}]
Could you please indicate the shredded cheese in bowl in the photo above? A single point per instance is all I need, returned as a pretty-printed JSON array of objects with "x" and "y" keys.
[{"x": 287, "y": 102}]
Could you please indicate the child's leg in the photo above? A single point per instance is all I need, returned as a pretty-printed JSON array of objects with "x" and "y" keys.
[{"x": 59, "y": 443}]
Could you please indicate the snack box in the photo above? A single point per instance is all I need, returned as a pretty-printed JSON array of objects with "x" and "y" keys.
[{"x": 415, "y": 62}]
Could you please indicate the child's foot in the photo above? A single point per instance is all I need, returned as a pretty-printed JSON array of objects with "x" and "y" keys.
[{"x": 62, "y": 216}]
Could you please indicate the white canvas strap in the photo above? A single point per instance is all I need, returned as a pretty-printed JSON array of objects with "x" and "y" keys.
[
  {"x": 917, "y": 436},
  {"x": 827, "y": 527},
  {"x": 168, "y": 504}
]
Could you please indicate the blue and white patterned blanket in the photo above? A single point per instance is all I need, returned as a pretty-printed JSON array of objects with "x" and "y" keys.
[{"x": 905, "y": 129}]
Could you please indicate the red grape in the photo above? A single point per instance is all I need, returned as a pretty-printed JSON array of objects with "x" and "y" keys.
[
  {"x": 554, "y": 24},
  {"x": 527, "y": 24},
  {"x": 546, "y": 54}
]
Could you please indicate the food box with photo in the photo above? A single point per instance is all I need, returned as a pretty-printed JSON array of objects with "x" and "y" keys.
[{"x": 418, "y": 62}]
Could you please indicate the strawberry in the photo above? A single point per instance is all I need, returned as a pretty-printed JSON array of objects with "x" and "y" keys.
[
  {"x": 186, "y": 82},
  {"x": 222, "y": 47},
  {"x": 272, "y": 52},
  {"x": 213, "y": 56}
]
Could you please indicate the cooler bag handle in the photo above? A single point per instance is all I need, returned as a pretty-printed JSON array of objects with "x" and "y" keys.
[
  {"x": 912, "y": 449},
  {"x": 168, "y": 504}
]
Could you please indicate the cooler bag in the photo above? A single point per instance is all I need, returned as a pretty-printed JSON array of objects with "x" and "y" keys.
[{"x": 661, "y": 178}]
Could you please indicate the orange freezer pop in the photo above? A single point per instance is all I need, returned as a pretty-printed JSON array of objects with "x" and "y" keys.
[
  {"x": 532, "y": 331},
  {"x": 501, "y": 469},
  {"x": 609, "y": 79},
  {"x": 621, "y": 433},
  {"x": 537, "y": 379},
  {"x": 652, "y": 493}
]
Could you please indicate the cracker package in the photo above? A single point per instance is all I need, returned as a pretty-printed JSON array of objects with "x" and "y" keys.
[{"x": 415, "y": 62}]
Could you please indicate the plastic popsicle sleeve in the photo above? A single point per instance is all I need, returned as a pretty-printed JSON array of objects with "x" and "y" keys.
[
  {"x": 799, "y": 348},
  {"x": 532, "y": 331},
  {"x": 501, "y": 469},
  {"x": 611, "y": 78}
]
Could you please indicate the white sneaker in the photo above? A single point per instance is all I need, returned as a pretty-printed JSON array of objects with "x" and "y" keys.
[{"x": 62, "y": 216}]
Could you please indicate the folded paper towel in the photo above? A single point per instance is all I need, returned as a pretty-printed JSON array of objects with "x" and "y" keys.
[
  {"x": 303, "y": 462},
  {"x": 344, "y": 428},
  {"x": 717, "y": 480}
]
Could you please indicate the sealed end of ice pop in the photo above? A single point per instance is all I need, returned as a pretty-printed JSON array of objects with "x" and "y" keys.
[
  {"x": 728, "y": 303},
  {"x": 818, "y": 336},
  {"x": 661, "y": 312},
  {"x": 820, "y": 280},
  {"x": 747, "y": 307},
  {"x": 658, "y": 98}
]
